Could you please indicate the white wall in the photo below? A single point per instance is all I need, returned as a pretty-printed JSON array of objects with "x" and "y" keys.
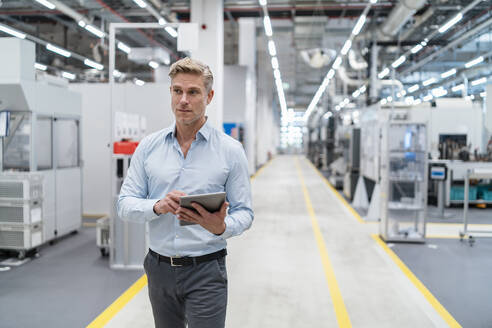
[
  {"x": 488, "y": 114},
  {"x": 267, "y": 129},
  {"x": 234, "y": 94},
  {"x": 151, "y": 100}
]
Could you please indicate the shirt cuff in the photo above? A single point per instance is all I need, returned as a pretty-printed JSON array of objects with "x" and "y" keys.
[
  {"x": 149, "y": 209},
  {"x": 228, "y": 231}
]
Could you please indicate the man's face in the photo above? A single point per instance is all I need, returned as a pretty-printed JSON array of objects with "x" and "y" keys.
[{"x": 189, "y": 98}]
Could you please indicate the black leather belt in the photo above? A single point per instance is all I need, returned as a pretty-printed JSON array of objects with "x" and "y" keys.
[{"x": 181, "y": 261}]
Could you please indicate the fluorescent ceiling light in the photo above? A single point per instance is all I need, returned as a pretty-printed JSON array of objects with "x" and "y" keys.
[
  {"x": 172, "y": 32},
  {"x": 413, "y": 88},
  {"x": 117, "y": 73},
  {"x": 276, "y": 74},
  {"x": 40, "y": 66},
  {"x": 12, "y": 32},
  {"x": 95, "y": 31},
  {"x": 58, "y": 50},
  {"x": 337, "y": 63},
  {"x": 399, "y": 61},
  {"x": 450, "y": 23},
  {"x": 483, "y": 94},
  {"x": 263, "y": 2},
  {"x": 479, "y": 81},
  {"x": 416, "y": 49},
  {"x": 93, "y": 64},
  {"x": 356, "y": 93},
  {"x": 384, "y": 101},
  {"x": 139, "y": 82},
  {"x": 47, "y": 4},
  {"x": 153, "y": 64},
  {"x": 474, "y": 62},
  {"x": 458, "y": 87},
  {"x": 337, "y": 108},
  {"x": 374, "y": 1},
  {"x": 268, "y": 26},
  {"x": 68, "y": 75},
  {"x": 346, "y": 47},
  {"x": 162, "y": 21},
  {"x": 439, "y": 92},
  {"x": 429, "y": 81},
  {"x": 140, "y": 3},
  {"x": 123, "y": 47},
  {"x": 389, "y": 99},
  {"x": 383, "y": 73},
  {"x": 359, "y": 25},
  {"x": 274, "y": 63},
  {"x": 82, "y": 23},
  {"x": 403, "y": 93},
  {"x": 428, "y": 97},
  {"x": 448, "y": 73},
  {"x": 417, "y": 101},
  {"x": 271, "y": 48},
  {"x": 363, "y": 89}
]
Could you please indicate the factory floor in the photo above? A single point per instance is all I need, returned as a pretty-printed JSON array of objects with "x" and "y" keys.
[{"x": 309, "y": 260}]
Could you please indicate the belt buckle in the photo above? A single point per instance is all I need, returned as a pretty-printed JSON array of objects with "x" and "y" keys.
[{"x": 175, "y": 265}]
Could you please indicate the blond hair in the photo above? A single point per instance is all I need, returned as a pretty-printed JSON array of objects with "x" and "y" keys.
[{"x": 193, "y": 66}]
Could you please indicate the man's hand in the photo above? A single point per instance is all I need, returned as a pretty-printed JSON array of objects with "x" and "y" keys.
[
  {"x": 170, "y": 203},
  {"x": 213, "y": 222}
]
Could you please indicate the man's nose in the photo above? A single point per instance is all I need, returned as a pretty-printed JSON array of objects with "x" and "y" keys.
[{"x": 183, "y": 98}]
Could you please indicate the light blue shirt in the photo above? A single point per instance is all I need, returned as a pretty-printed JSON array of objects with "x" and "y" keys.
[{"x": 215, "y": 162}]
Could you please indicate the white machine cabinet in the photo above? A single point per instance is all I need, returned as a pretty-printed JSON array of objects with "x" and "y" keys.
[
  {"x": 21, "y": 211},
  {"x": 403, "y": 182}
]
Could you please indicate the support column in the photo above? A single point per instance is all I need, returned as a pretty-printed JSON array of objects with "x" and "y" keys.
[
  {"x": 209, "y": 15},
  {"x": 247, "y": 57}
]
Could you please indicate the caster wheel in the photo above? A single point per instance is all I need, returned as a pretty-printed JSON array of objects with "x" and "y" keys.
[
  {"x": 462, "y": 235},
  {"x": 104, "y": 252},
  {"x": 471, "y": 241},
  {"x": 21, "y": 255}
]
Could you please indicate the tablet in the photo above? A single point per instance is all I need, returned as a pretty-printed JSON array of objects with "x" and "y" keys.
[{"x": 212, "y": 203}]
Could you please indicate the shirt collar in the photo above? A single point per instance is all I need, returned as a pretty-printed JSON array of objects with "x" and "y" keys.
[{"x": 204, "y": 131}]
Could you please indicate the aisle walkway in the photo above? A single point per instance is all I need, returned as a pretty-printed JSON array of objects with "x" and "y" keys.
[{"x": 303, "y": 266}]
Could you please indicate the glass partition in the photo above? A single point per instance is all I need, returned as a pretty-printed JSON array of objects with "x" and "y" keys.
[
  {"x": 43, "y": 142},
  {"x": 67, "y": 142},
  {"x": 17, "y": 146}
]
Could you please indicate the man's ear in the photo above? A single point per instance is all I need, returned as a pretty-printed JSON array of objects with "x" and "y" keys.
[{"x": 210, "y": 96}]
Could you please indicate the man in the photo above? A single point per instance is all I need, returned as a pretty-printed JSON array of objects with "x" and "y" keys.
[{"x": 185, "y": 266}]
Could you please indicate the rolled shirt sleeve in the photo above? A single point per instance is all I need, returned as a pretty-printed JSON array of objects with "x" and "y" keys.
[{"x": 238, "y": 190}]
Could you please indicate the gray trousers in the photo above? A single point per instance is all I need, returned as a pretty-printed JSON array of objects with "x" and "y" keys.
[{"x": 194, "y": 294}]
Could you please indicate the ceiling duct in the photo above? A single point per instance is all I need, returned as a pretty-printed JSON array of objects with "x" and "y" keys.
[
  {"x": 354, "y": 63},
  {"x": 357, "y": 83},
  {"x": 318, "y": 57},
  {"x": 403, "y": 11}
]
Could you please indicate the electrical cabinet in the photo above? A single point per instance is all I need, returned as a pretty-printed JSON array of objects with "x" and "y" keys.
[{"x": 403, "y": 182}]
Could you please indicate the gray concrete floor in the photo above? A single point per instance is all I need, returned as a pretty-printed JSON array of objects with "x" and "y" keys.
[
  {"x": 458, "y": 275},
  {"x": 276, "y": 277},
  {"x": 69, "y": 285}
]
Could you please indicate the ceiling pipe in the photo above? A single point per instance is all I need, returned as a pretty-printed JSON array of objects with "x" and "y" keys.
[
  {"x": 403, "y": 11},
  {"x": 354, "y": 64},
  {"x": 357, "y": 83}
]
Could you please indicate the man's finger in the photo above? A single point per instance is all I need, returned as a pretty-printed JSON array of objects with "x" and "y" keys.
[
  {"x": 200, "y": 209},
  {"x": 184, "y": 217}
]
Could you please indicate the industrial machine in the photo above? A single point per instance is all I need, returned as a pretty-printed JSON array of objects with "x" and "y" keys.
[
  {"x": 403, "y": 182},
  {"x": 353, "y": 163},
  {"x": 40, "y": 152}
]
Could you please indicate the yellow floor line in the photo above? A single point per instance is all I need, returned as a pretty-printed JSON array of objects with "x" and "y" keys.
[
  {"x": 336, "y": 297},
  {"x": 328, "y": 184},
  {"x": 261, "y": 169},
  {"x": 120, "y": 302},
  {"x": 420, "y": 286}
]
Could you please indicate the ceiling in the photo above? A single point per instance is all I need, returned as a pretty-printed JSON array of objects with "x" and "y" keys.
[{"x": 298, "y": 25}]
